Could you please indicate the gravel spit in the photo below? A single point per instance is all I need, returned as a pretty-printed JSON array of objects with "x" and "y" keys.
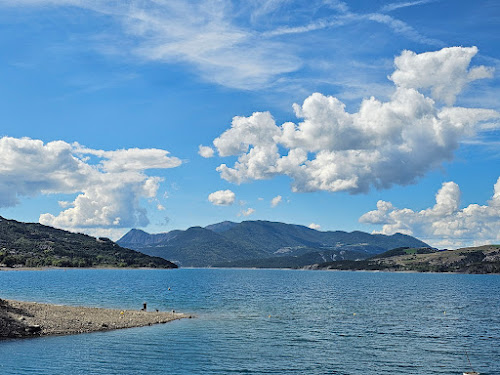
[{"x": 32, "y": 319}]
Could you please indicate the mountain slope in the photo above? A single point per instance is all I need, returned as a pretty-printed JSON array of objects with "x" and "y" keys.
[
  {"x": 289, "y": 239},
  {"x": 36, "y": 245},
  {"x": 271, "y": 237},
  {"x": 227, "y": 243},
  {"x": 198, "y": 247}
]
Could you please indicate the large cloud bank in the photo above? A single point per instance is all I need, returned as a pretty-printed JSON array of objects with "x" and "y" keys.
[
  {"x": 444, "y": 224},
  {"x": 108, "y": 190},
  {"x": 384, "y": 143}
]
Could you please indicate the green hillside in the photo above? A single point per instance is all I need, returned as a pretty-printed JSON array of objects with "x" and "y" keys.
[
  {"x": 482, "y": 259},
  {"x": 36, "y": 245}
]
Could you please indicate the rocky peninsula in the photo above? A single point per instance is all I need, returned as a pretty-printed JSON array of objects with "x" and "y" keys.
[{"x": 31, "y": 319}]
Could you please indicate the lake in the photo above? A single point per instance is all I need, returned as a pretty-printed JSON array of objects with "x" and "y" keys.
[{"x": 266, "y": 322}]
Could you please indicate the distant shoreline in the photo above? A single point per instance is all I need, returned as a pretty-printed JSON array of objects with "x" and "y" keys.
[
  {"x": 50, "y": 268},
  {"x": 307, "y": 268},
  {"x": 31, "y": 319}
]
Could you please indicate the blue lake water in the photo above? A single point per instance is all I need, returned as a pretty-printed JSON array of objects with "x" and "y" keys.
[{"x": 266, "y": 322}]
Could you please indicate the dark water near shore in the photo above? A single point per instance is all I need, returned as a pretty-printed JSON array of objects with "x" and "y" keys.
[{"x": 266, "y": 322}]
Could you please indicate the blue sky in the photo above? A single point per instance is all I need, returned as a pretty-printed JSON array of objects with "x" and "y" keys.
[{"x": 361, "y": 115}]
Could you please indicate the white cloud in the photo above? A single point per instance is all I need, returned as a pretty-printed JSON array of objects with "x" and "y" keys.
[
  {"x": 132, "y": 159},
  {"x": 395, "y": 6},
  {"x": 205, "y": 151},
  {"x": 222, "y": 198},
  {"x": 317, "y": 25},
  {"x": 384, "y": 143},
  {"x": 258, "y": 129},
  {"x": 64, "y": 204},
  {"x": 276, "y": 200},
  {"x": 444, "y": 224},
  {"x": 445, "y": 72},
  {"x": 402, "y": 28},
  {"x": 314, "y": 226},
  {"x": 109, "y": 192},
  {"x": 160, "y": 207},
  {"x": 249, "y": 211},
  {"x": 347, "y": 17}
]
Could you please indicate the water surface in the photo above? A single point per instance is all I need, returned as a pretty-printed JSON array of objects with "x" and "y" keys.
[{"x": 266, "y": 322}]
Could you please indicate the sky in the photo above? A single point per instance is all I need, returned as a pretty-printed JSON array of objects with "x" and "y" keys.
[{"x": 364, "y": 115}]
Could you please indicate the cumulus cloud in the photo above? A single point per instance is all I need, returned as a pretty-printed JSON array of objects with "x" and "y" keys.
[
  {"x": 249, "y": 211},
  {"x": 314, "y": 226},
  {"x": 276, "y": 200},
  {"x": 109, "y": 191},
  {"x": 222, "y": 198},
  {"x": 205, "y": 151},
  {"x": 444, "y": 224},
  {"x": 445, "y": 72},
  {"x": 383, "y": 144}
]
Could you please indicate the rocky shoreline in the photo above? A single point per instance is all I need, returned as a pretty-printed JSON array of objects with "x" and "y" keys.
[{"x": 31, "y": 319}]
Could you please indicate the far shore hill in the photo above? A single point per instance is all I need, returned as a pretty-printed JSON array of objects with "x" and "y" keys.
[{"x": 479, "y": 260}]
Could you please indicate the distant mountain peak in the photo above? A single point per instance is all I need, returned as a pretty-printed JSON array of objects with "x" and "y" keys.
[
  {"x": 139, "y": 237},
  {"x": 136, "y": 231},
  {"x": 135, "y": 236}
]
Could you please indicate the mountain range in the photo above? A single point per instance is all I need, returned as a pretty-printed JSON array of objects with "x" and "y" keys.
[{"x": 261, "y": 244}]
